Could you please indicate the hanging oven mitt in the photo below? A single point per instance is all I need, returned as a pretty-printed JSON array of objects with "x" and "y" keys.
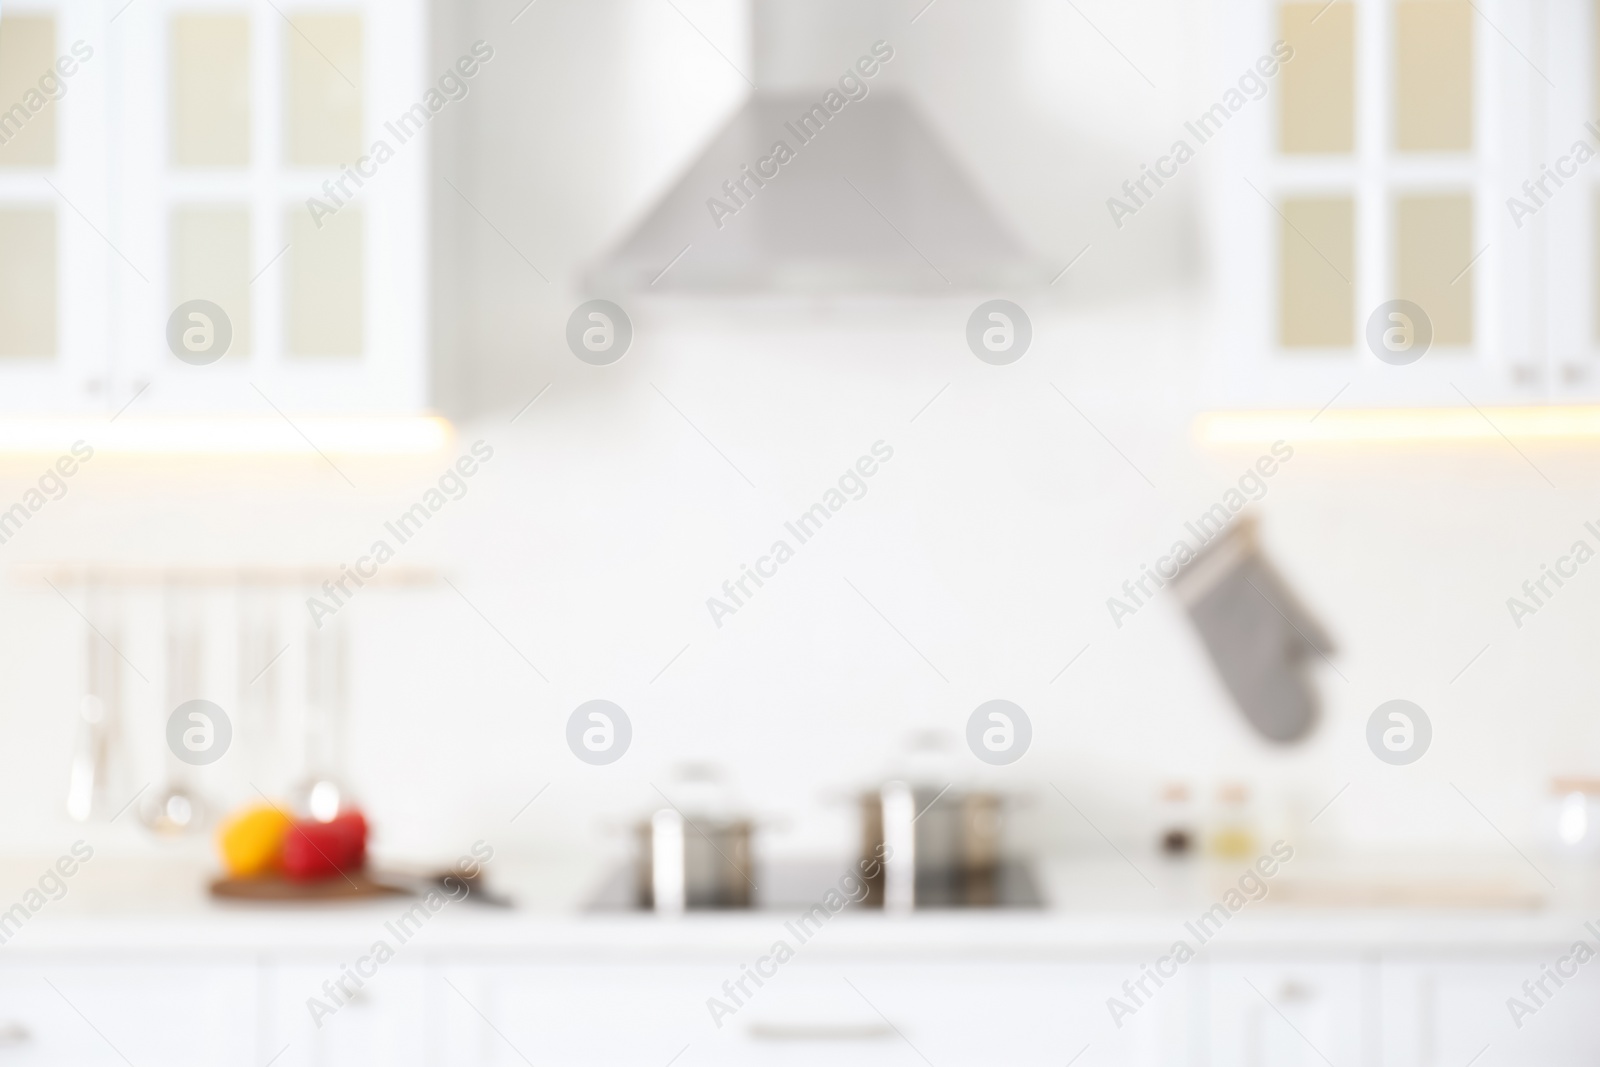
[{"x": 1258, "y": 635}]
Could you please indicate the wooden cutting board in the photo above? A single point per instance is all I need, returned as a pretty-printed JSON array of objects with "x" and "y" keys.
[
  {"x": 356, "y": 886},
  {"x": 1408, "y": 894}
]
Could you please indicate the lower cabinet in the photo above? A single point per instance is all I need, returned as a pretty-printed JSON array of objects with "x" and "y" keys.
[
  {"x": 850, "y": 1012},
  {"x": 565, "y": 1013},
  {"x": 325, "y": 1013},
  {"x": 1449, "y": 1012},
  {"x": 198, "y": 1014},
  {"x": 1292, "y": 1013},
  {"x": 939, "y": 1009}
]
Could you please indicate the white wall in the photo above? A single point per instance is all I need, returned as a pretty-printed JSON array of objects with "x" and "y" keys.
[{"x": 991, "y": 540}]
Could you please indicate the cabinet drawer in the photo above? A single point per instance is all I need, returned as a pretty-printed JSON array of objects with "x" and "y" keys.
[
  {"x": 201, "y": 1015},
  {"x": 1289, "y": 1013},
  {"x": 571, "y": 1013},
  {"x": 385, "y": 1021},
  {"x": 1446, "y": 1010},
  {"x": 971, "y": 1014},
  {"x": 866, "y": 1012}
]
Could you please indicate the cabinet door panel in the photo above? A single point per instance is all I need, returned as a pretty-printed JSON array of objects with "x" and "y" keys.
[
  {"x": 848, "y": 1011},
  {"x": 1448, "y": 1010},
  {"x": 572, "y": 1013},
  {"x": 183, "y": 1015},
  {"x": 980, "y": 1013},
  {"x": 1288, "y": 1013},
  {"x": 383, "y": 1022}
]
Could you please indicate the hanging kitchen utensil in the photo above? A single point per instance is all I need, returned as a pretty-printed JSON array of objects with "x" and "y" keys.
[
  {"x": 98, "y": 710},
  {"x": 1258, "y": 635},
  {"x": 322, "y": 792},
  {"x": 260, "y": 663},
  {"x": 174, "y": 808}
]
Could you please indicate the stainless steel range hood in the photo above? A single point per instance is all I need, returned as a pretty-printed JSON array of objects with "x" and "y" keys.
[{"x": 862, "y": 197}]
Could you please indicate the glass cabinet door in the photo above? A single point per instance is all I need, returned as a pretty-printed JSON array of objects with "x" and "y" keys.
[
  {"x": 209, "y": 214},
  {"x": 56, "y": 251}
]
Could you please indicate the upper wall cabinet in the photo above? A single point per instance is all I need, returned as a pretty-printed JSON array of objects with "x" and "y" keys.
[
  {"x": 1400, "y": 203},
  {"x": 207, "y": 206}
]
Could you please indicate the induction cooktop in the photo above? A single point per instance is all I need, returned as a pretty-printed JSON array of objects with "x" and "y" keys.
[{"x": 790, "y": 884}]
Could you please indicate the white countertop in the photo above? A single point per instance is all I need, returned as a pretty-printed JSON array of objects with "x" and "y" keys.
[{"x": 1095, "y": 907}]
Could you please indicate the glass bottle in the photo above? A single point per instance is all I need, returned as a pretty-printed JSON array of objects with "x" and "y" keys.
[{"x": 1233, "y": 830}]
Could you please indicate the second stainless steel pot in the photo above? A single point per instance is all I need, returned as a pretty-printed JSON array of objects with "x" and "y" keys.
[{"x": 922, "y": 842}]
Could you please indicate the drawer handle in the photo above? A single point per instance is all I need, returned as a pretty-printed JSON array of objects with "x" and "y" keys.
[
  {"x": 13, "y": 1033},
  {"x": 820, "y": 1031},
  {"x": 1292, "y": 992}
]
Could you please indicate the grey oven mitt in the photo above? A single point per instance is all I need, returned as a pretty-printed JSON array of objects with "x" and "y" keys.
[{"x": 1258, "y": 636}]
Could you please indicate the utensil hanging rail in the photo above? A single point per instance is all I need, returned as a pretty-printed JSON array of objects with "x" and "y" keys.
[{"x": 261, "y": 576}]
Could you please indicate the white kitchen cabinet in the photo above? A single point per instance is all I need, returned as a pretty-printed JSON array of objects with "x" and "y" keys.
[
  {"x": 55, "y": 327},
  {"x": 573, "y": 1012},
  {"x": 188, "y": 151},
  {"x": 1449, "y": 1010},
  {"x": 1290, "y": 1013},
  {"x": 385, "y": 1022},
  {"x": 1335, "y": 216},
  {"x": 327, "y": 308},
  {"x": 1562, "y": 239},
  {"x": 960, "y": 1014},
  {"x": 182, "y": 1015},
  {"x": 852, "y": 1011},
  {"x": 863, "y": 996},
  {"x": 985, "y": 1011},
  {"x": 38, "y": 1027}
]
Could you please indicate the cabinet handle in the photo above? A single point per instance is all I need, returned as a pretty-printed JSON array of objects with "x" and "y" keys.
[
  {"x": 819, "y": 1031},
  {"x": 13, "y": 1033},
  {"x": 1291, "y": 992}
]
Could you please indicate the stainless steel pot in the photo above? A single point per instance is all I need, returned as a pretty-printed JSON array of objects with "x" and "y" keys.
[
  {"x": 922, "y": 843},
  {"x": 693, "y": 862}
]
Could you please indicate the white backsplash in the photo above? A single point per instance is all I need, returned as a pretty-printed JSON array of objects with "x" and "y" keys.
[{"x": 990, "y": 541}]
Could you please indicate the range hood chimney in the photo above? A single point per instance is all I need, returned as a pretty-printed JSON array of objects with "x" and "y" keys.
[{"x": 861, "y": 198}]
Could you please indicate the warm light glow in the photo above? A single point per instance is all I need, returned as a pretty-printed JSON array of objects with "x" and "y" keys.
[
  {"x": 229, "y": 436},
  {"x": 1566, "y": 423}
]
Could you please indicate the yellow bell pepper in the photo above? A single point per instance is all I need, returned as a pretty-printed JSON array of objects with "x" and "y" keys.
[{"x": 252, "y": 841}]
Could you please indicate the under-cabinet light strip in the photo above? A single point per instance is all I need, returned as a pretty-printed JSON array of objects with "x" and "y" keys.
[
  {"x": 228, "y": 436},
  {"x": 1396, "y": 425}
]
